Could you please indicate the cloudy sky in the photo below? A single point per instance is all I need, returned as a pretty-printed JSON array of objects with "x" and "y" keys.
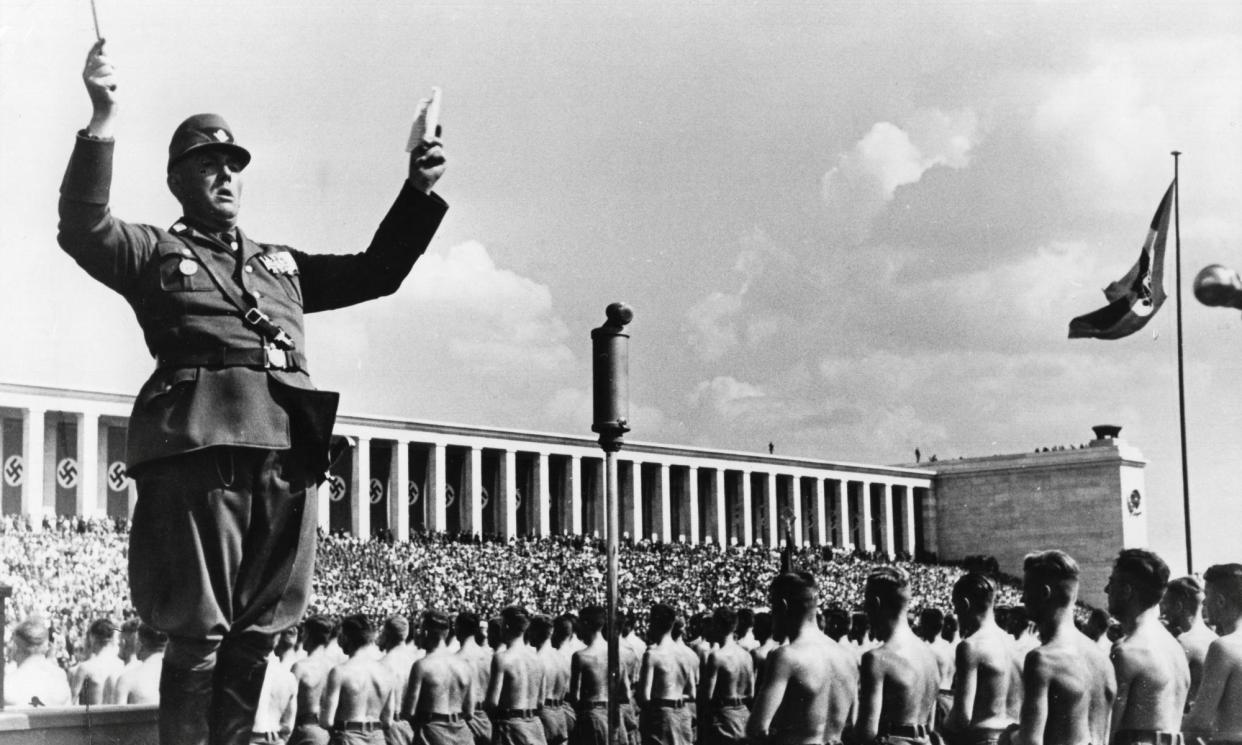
[{"x": 850, "y": 229}]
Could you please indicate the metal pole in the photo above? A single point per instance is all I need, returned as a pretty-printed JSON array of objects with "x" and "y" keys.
[
  {"x": 610, "y": 373},
  {"x": 1181, "y": 373}
]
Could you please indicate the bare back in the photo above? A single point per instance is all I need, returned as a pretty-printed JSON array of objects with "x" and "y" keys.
[
  {"x": 440, "y": 683},
  {"x": 312, "y": 676},
  {"x": 1153, "y": 680},
  {"x": 900, "y": 679},
  {"x": 1069, "y": 689},
  {"x": 589, "y": 674},
  {"x": 555, "y": 672},
  {"x": 516, "y": 680},
  {"x": 986, "y": 670},
  {"x": 728, "y": 673},
  {"x": 1218, "y": 706},
  {"x": 363, "y": 688},
  {"x": 666, "y": 674},
  {"x": 807, "y": 693}
]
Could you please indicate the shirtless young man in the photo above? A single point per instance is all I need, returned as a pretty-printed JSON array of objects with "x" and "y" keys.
[
  {"x": 469, "y": 634},
  {"x": 99, "y": 671},
  {"x": 1217, "y": 711},
  {"x": 398, "y": 656},
  {"x": 311, "y": 673},
  {"x": 746, "y": 630},
  {"x": 277, "y": 709},
  {"x": 139, "y": 683},
  {"x": 1181, "y": 609},
  {"x": 1068, "y": 682},
  {"x": 664, "y": 685},
  {"x": 987, "y": 671},
  {"x": 358, "y": 700},
  {"x": 767, "y": 642},
  {"x": 900, "y": 678},
  {"x": 556, "y": 680},
  {"x": 439, "y": 699},
  {"x": 1153, "y": 676},
  {"x": 930, "y": 630},
  {"x": 588, "y": 681},
  {"x": 36, "y": 680},
  {"x": 809, "y": 689},
  {"x": 726, "y": 685},
  {"x": 516, "y": 687}
]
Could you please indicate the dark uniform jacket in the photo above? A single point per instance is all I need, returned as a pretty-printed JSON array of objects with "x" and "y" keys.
[{"x": 210, "y": 386}]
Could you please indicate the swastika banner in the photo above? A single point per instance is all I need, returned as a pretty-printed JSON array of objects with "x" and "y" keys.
[
  {"x": 66, "y": 473},
  {"x": 12, "y": 467}
]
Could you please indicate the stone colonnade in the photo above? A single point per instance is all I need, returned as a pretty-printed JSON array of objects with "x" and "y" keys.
[{"x": 402, "y": 476}]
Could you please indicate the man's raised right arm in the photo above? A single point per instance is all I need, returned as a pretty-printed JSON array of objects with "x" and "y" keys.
[{"x": 110, "y": 250}]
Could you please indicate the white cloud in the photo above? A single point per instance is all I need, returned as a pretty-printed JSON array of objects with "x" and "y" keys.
[{"x": 889, "y": 156}]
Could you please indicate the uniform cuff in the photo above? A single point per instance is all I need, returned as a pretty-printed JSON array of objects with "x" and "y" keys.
[{"x": 89, "y": 175}]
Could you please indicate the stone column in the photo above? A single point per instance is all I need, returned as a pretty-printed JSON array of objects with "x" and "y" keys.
[
  {"x": 722, "y": 517},
  {"x": 636, "y": 501},
  {"x": 323, "y": 495},
  {"x": 507, "y": 495},
  {"x": 907, "y": 493},
  {"x": 864, "y": 501},
  {"x": 89, "y": 497},
  {"x": 437, "y": 484},
  {"x": 821, "y": 512},
  {"x": 543, "y": 496},
  {"x": 360, "y": 507},
  {"x": 474, "y": 489},
  {"x": 795, "y": 483},
  {"x": 841, "y": 495},
  {"x": 888, "y": 540},
  {"x": 748, "y": 523},
  {"x": 575, "y": 494},
  {"x": 399, "y": 492},
  {"x": 33, "y": 457},
  {"x": 693, "y": 493},
  {"x": 774, "y": 518},
  {"x": 666, "y": 506}
]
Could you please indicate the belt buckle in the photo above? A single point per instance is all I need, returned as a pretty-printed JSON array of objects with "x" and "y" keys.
[{"x": 275, "y": 358}]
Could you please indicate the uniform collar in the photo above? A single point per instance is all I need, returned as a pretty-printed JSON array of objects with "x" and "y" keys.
[{"x": 187, "y": 226}]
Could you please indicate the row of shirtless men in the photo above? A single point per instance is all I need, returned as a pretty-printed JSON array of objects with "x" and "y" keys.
[{"x": 540, "y": 683}]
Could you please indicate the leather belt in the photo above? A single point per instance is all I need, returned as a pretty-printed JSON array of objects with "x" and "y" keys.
[
  {"x": 266, "y": 358},
  {"x": 516, "y": 713},
  {"x": 667, "y": 703},
  {"x": 553, "y": 701},
  {"x": 434, "y": 716},
  {"x": 370, "y": 725}
]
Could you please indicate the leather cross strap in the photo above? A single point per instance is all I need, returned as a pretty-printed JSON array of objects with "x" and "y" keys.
[{"x": 250, "y": 315}]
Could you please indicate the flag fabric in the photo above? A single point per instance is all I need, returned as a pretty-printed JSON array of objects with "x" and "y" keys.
[{"x": 1135, "y": 298}]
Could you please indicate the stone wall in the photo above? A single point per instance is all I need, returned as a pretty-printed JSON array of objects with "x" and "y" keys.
[{"x": 1076, "y": 500}]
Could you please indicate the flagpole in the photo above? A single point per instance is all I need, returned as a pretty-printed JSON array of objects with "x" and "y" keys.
[{"x": 1181, "y": 373}]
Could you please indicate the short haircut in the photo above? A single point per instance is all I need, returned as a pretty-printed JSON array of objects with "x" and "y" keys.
[
  {"x": 562, "y": 627},
  {"x": 32, "y": 633},
  {"x": 357, "y": 630},
  {"x": 396, "y": 627},
  {"x": 724, "y": 619},
  {"x": 797, "y": 591},
  {"x": 131, "y": 625},
  {"x": 627, "y": 623},
  {"x": 763, "y": 626},
  {"x": 1056, "y": 569},
  {"x": 975, "y": 588},
  {"x": 593, "y": 618},
  {"x": 151, "y": 638},
  {"x": 437, "y": 623},
  {"x": 950, "y": 627},
  {"x": 1187, "y": 591},
  {"x": 661, "y": 619},
  {"x": 101, "y": 629},
  {"x": 890, "y": 586},
  {"x": 539, "y": 631},
  {"x": 1226, "y": 579},
  {"x": 679, "y": 627},
  {"x": 745, "y": 620},
  {"x": 467, "y": 626},
  {"x": 318, "y": 631},
  {"x": 1146, "y": 572},
  {"x": 514, "y": 619},
  {"x": 931, "y": 621}
]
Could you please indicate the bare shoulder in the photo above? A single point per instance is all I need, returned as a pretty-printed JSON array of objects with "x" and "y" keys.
[{"x": 1228, "y": 648}]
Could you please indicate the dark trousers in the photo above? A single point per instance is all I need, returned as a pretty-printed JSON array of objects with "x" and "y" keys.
[{"x": 221, "y": 554}]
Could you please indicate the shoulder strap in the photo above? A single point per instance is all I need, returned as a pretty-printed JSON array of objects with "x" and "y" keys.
[{"x": 250, "y": 315}]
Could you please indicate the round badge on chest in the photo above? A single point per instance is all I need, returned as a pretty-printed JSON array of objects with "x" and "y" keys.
[{"x": 187, "y": 267}]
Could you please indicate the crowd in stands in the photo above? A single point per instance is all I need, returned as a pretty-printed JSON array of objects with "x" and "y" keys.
[{"x": 74, "y": 571}]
